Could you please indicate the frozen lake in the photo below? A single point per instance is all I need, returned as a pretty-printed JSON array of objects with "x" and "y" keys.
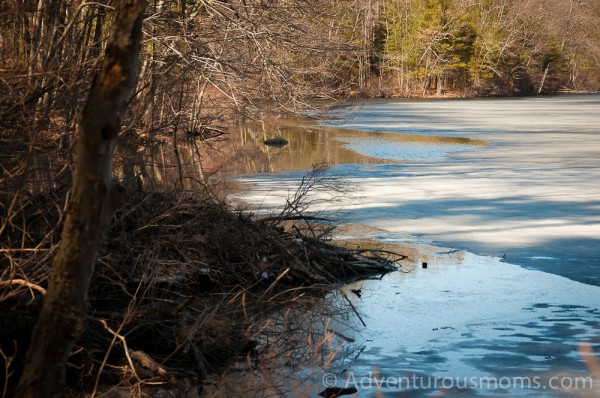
[
  {"x": 532, "y": 196},
  {"x": 515, "y": 180}
]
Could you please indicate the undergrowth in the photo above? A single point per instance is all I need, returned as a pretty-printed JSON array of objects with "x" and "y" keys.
[{"x": 188, "y": 291}]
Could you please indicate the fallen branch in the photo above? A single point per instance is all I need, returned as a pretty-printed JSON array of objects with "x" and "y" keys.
[
  {"x": 353, "y": 308},
  {"x": 124, "y": 342},
  {"x": 23, "y": 282},
  {"x": 295, "y": 218},
  {"x": 343, "y": 337},
  {"x": 147, "y": 362}
]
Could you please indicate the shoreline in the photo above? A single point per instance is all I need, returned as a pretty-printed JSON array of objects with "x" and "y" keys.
[
  {"x": 417, "y": 252},
  {"x": 449, "y": 96},
  {"x": 456, "y": 95}
]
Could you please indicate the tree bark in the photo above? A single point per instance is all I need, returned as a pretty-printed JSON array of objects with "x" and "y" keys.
[{"x": 93, "y": 199}]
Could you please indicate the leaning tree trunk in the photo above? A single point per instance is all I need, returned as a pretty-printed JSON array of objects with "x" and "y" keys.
[{"x": 92, "y": 202}]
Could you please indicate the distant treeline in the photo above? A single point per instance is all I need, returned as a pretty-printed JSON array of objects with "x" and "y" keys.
[
  {"x": 481, "y": 47},
  {"x": 205, "y": 59}
]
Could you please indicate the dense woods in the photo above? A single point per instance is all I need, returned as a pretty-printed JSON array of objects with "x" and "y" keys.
[
  {"x": 279, "y": 54},
  {"x": 203, "y": 65},
  {"x": 485, "y": 47}
]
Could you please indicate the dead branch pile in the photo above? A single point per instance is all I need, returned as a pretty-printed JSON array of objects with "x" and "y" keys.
[{"x": 183, "y": 287}]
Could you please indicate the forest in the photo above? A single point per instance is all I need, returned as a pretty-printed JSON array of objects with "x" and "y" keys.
[
  {"x": 101, "y": 216},
  {"x": 243, "y": 55},
  {"x": 482, "y": 48}
]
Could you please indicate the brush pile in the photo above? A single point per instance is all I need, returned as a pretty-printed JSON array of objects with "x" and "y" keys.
[{"x": 184, "y": 288}]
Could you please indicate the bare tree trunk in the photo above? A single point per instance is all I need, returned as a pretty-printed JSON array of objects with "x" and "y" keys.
[
  {"x": 543, "y": 80},
  {"x": 93, "y": 198}
]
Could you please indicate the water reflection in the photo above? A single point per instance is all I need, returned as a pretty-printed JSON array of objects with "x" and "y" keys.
[
  {"x": 309, "y": 144},
  {"x": 243, "y": 152}
]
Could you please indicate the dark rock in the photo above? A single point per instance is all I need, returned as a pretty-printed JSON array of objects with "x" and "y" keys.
[{"x": 276, "y": 142}]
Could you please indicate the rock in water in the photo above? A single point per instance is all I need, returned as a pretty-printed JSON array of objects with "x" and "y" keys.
[{"x": 277, "y": 142}]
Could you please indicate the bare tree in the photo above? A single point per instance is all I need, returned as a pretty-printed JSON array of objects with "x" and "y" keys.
[{"x": 91, "y": 204}]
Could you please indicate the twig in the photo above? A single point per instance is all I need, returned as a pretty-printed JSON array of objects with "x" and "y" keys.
[
  {"x": 353, "y": 308},
  {"x": 295, "y": 218},
  {"x": 134, "y": 208},
  {"x": 400, "y": 256},
  {"x": 182, "y": 254},
  {"x": 23, "y": 282},
  {"x": 112, "y": 343},
  {"x": 26, "y": 249},
  {"x": 275, "y": 282},
  {"x": 124, "y": 342},
  {"x": 343, "y": 337},
  {"x": 8, "y": 359}
]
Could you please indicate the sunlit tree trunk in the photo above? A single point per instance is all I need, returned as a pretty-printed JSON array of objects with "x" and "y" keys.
[{"x": 93, "y": 198}]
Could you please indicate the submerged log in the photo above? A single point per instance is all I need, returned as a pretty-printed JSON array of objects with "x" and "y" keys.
[{"x": 333, "y": 392}]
